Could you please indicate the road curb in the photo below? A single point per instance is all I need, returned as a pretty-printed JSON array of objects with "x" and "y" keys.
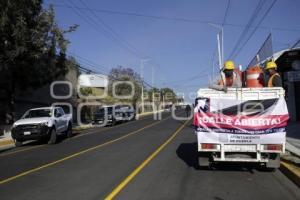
[
  {"x": 149, "y": 113},
  {"x": 80, "y": 128},
  {"x": 291, "y": 171},
  {"x": 6, "y": 142}
]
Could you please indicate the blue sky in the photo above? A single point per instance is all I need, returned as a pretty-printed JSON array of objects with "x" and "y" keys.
[{"x": 179, "y": 51}]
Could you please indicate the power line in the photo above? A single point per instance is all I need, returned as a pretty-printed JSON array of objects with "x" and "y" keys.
[
  {"x": 222, "y": 31},
  {"x": 85, "y": 19},
  {"x": 199, "y": 75},
  {"x": 102, "y": 31},
  {"x": 226, "y": 12},
  {"x": 180, "y": 19},
  {"x": 252, "y": 33},
  {"x": 93, "y": 67},
  {"x": 246, "y": 29},
  {"x": 74, "y": 7},
  {"x": 88, "y": 61},
  {"x": 112, "y": 35},
  {"x": 136, "y": 14},
  {"x": 116, "y": 35},
  {"x": 295, "y": 44}
]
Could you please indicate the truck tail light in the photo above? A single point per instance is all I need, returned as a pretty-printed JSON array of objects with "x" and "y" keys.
[
  {"x": 273, "y": 147},
  {"x": 209, "y": 146}
]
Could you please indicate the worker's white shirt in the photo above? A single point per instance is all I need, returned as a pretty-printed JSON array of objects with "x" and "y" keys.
[{"x": 237, "y": 83}]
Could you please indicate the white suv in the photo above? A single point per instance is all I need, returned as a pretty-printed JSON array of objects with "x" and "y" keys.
[{"x": 42, "y": 124}]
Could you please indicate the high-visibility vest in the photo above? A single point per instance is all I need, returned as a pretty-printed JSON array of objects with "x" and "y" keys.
[{"x": 270, "y": 82}]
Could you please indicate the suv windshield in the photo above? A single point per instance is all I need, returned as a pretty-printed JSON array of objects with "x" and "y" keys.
[{"x": 38, "y": 113}]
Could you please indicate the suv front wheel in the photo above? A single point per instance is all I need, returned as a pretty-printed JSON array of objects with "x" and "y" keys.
[
  {"x": 18, "y": 143},
  {"x": 53, "y": 136},
  {"x": 69, "y": 132}
]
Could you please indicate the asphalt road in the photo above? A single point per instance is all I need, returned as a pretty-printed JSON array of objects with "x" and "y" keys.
[{"x": 144, "y": 159}]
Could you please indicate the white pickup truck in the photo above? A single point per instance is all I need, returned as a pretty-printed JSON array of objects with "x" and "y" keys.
[
  {"x": 241, "y": 125},
  {"x": 44, "y": 123}
]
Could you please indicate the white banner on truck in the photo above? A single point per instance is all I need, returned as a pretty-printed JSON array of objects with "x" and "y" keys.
[{"x": 241, "y": 121}]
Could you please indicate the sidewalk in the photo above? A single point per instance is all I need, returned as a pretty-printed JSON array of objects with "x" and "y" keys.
[
  {"x": 6, "y": 141},
  {"x": 293, "y": 138}
]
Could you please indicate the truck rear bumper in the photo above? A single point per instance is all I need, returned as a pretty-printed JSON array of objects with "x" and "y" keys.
[
  {"x": 238, "y": 154},
  {"x": 240, "y": 160}
]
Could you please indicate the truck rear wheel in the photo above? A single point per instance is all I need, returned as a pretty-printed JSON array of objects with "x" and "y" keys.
[{"x": 53, "y": 137}]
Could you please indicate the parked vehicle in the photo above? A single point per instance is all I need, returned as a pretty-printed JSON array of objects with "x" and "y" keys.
[
  {"x": 128, "y": 113},
  {"x": 241, "y": 125},
  {"x": 110, "y": 115},
  {"x": 105, "y": 115},
  {"x": 44, "y": 123}
]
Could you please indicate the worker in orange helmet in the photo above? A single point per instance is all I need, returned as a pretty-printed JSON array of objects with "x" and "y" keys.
[{"x": 274, "y": 79}]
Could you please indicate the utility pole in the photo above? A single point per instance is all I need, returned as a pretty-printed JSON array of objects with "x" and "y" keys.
[
  {"x": 142, "y": 77},
  {"x": 163, "y": 101},
  {"x": 142, "y": 69},
  {"x": 222, "y": 31},
  {"x": 219, "y": 51},
  {"x": 153, "y": 104},
  {"x": 220, "y": 43},
  {"x": 220, "y": 54}
]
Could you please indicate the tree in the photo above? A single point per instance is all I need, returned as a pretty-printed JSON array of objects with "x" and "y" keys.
[
  {"x": 154, "y": 93},
  {"x": 125, "y": 74},
  {"x": 169, "y": 94},
  {"x": 32, "y": 47},
  {"x": 166, "y": 94}
]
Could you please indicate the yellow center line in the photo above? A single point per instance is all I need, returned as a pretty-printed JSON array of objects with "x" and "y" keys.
[
  {"x": 21, "y": 150},
  {"x": 125, "y": 182},
  {"x": 79, "y": 153}
]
